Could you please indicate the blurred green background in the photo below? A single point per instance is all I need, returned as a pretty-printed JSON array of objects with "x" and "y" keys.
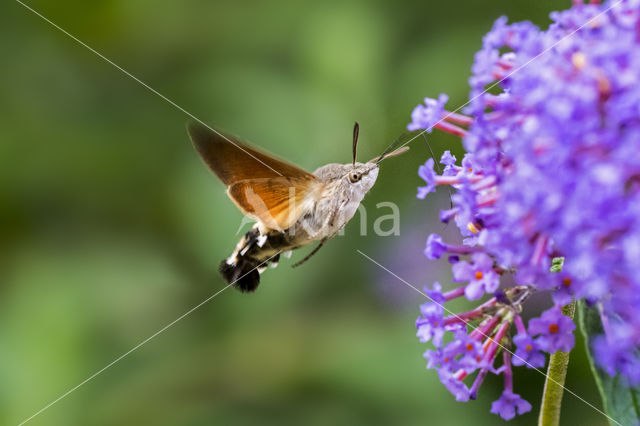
[{"x": 111, "y": 227}]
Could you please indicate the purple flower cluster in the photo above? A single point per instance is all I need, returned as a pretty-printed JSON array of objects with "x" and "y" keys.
[{"x": 552, "y": 170}]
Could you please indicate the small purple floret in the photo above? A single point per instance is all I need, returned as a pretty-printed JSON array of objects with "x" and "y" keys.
[
  {"x": 555, "y": 331},
  {"x": 510, "y": 404}
]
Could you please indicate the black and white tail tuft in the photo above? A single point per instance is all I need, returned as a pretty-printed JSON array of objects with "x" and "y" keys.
[
  {"x": 243, "y": 273},
  {"x": 251, "y": 257}
]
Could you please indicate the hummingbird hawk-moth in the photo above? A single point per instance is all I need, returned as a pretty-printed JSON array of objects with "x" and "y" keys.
[{"x": 292, "y": 207}]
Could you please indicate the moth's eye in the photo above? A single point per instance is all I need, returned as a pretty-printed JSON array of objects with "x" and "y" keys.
[{"x": 354, "y": 177}]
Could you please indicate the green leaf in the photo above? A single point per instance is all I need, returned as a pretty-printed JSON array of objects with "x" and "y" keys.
[
  {"x": 556, "y": 264},
  {"x": 621, "y": 403}
]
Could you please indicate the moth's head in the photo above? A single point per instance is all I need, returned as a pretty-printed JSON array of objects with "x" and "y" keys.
[{"x": 361, "y": 176}]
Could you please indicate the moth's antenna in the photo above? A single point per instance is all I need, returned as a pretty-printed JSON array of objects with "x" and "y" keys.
[
  {"x": 437, "y": 164},
  {"x": 356, "y": 130}
]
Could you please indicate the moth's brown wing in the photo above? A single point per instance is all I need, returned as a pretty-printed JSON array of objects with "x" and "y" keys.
[
  {"x": 265, "y": 188},
  {"x": 232, "y": 161},
  {"x": 276, "y": 202}
]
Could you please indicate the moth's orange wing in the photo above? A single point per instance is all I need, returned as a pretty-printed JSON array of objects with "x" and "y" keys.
[
  {"x": 233, "y": 161},
  {"x": 265, "y": 188},
  {"x": 276, "y": 202}
]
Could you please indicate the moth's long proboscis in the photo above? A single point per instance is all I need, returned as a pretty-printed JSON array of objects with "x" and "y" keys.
[{"x": 393, "y": 150}]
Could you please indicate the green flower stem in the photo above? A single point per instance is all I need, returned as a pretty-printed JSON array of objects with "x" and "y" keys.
[{"x": 554, "y": 385}]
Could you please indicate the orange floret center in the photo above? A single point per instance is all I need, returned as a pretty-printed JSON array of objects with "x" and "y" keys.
[
  {"x": 579, "y": 60},
  {"x": 471, "y": 227}
]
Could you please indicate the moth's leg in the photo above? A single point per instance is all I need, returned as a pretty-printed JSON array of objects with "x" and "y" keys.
[{"x": 314, "y": 251}]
